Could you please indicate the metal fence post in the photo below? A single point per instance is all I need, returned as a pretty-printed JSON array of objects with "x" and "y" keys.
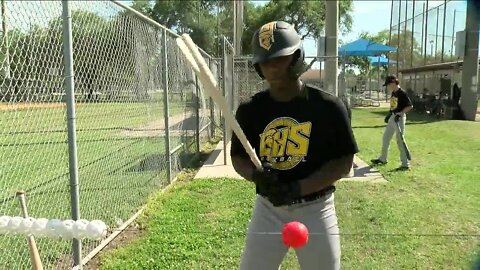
[
  {"x": 166, "y": 114},
  {"x": 197, "y": 115},
  {"x": 224, "y": 81},
  {"x": 72, "y": 140},
  {"x": 212, "y": 105},
  {"x": 247, "y": 74},
  {"x": 232, "y": 109},
  {"x": 6, "y": 62}
]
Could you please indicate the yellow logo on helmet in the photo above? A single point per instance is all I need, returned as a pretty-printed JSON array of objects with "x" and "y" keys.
[
  {"x": 284, "y": 142},
  {"x": 265, "y": 35}
]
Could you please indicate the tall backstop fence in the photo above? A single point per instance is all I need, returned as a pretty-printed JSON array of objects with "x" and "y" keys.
[
  {"x": 426, "y": 33},
  {"x": 98, "y": 110},
  {"x": 436, "y": 58}
]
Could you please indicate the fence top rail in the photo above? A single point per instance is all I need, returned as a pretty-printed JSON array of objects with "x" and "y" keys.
[
  {"x": 152, "y": 22},
  {"x": 243, "y": 57}
]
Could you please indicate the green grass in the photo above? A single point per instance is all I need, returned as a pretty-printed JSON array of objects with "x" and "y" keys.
[
  {"x": 396, "y": 225},
  {"x": 116, "y": 172}
]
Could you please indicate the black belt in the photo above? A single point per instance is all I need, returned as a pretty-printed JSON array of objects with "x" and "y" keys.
[{"x": 313, "y": 196}]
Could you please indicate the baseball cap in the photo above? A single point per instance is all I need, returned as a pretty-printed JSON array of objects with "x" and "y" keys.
[{"x": 390, "y": 79}]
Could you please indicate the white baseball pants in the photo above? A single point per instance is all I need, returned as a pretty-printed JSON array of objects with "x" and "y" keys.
[
  {"x": 387, "y": 137},
  {"x": 264, "y": 248}
]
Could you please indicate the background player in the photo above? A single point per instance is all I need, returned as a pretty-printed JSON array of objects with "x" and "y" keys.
[{"x": 400, "y": 105}]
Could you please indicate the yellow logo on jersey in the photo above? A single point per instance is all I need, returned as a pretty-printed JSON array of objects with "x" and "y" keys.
[
  {"x": 265, "y": 36},
  {"x": 393, "y": 103},
  {"x": 284, "y": 142}
]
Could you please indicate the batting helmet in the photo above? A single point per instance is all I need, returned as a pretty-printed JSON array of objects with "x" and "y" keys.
[{"x": 276, "y": 39}]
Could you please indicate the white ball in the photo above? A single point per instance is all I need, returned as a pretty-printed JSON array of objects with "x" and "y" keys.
[
  {"x": 80, "y": 228},
  {"x": 14, "y": 224},
  {"x": 96, "y": 229},
  {"x": 39, "y": 226},
  {"x": 53, "y": 228},
  {"x": 66, "y": 230},
  {"x": 26, "y": 225},
  {"x": 4, "y": 220}
]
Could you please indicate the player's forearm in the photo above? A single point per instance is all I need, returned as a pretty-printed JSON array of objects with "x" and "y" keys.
[
  {"x": 243, "y": 166},
  {"x": 328, "y": 174},
  {"x": 404, "y": 110},
  {"x": 407, "y": 109}
]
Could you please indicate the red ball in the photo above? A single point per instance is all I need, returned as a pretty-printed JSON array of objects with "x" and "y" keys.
[{"x": 295, "y": 234}]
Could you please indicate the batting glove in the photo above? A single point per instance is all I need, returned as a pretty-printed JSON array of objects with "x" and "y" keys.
[
  {"x": 386, "y": 118},
  {"x": 284, "y": 193},
  {"x": 397, "y": 117},
  {"x": 265, "y": 178},
  {"x": 268, "y": 185},
  {"x": 265, "y": 175}
]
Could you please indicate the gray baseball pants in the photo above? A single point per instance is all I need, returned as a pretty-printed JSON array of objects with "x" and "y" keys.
[
  {"x": 387, "y": 137},
  {"x": 264, "y": 248}
]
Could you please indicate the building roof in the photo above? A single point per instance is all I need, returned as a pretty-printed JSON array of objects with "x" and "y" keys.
[{"x": 434, "y": 67}]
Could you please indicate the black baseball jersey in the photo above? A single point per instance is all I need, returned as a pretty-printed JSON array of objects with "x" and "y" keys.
[
  {"x": 399, "y": 100},
  {"x": 297, "y": 137}
]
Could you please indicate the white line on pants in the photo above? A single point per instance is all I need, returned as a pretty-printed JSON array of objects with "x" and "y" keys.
[{"x": 266, "y": 251}]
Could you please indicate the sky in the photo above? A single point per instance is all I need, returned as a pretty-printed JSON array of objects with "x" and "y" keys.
[{"x": 368, "y": 16}]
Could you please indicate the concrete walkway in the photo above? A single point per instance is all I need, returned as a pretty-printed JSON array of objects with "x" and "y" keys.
[{"x": 215, "y": 167}]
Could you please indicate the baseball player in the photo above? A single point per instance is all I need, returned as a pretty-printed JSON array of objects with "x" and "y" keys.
[
  {"x": 400, "y": 105},
  {"x": 304, "y": 139}
]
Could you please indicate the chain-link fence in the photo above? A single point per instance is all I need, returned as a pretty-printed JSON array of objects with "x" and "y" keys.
[
  {"x": 247, "y": 80},
  {"x": 248, "y": 83},
  {"x": 139, "y": 115},
  {"x": 426, "y": 33}
]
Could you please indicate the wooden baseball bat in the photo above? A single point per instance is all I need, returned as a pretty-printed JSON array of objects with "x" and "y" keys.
[
  {"x": 196, "y": 60},
  {"x": 405, "y": 146},
  {"x": 32, "y": 245}
]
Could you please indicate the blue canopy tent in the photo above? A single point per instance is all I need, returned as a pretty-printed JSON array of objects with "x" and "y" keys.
[
  {"x": 364, "y": 47},
  {"x": 377, "y": 61}
]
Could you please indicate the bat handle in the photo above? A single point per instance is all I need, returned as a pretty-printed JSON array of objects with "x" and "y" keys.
[{"x": 35, "y": 257}]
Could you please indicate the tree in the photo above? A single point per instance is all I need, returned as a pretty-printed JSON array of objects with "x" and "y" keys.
[
  {"x": 142, "y": 6},
  {"x": 33, "y": 63},
  {"x": 307, "y": 17},
  {"x": 406, "y": 56},
  {"x": 199, "y": 18},
  {"x": 208, "y": 21},
  {"x": 108, "y": 57},
  {"x": 112, "y": 56}
]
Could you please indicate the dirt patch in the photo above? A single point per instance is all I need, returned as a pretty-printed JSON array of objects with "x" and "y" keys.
[
  {"x": 154, "y": 128},
  {"x": 131, "y": 233},
  {"x": 27, "y": 106},
  {"x": 180, "y": 124}
]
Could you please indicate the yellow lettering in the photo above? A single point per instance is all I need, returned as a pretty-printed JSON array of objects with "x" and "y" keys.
[
  {"x": 298, "y": 144},
  {"x": 266, "y": 142},
  {"x": 393, "y": 103},
  {"x": 279, "y": 142}
]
